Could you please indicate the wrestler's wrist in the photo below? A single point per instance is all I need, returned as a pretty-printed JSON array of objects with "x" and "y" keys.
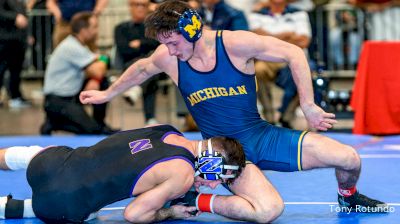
[
  {"x": 204, "y": 202},
  {"x": 306, "y": 105}
]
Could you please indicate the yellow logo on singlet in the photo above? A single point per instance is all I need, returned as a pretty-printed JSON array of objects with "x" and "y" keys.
[
  {"x": 213, "y": 92},
  {"x": 193, "y": 28}
]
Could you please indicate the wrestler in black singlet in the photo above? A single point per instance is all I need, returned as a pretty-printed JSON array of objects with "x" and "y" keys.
[{"x": 68, "y": 185}]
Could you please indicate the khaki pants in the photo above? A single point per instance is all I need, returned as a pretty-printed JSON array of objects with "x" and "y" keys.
[{"x": 266, "y": 73}]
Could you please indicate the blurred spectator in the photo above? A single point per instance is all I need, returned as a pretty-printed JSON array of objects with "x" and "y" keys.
[
  {"x": 218, "y": 15},
  {"x": 132, "y": 45},
  {"x": 345, "y": 28},
  {"x": 69, "y": 66},
  {"x": 287, "y": 23},
  {"x": 41, "y": 29},
  {"x": 247, "y": 6},
  {"x": 63, "y": 10},
  {"x": 303, "y": 5},
  {"x": 13, "y": 38},
  {"x": 383, "y": 19}
]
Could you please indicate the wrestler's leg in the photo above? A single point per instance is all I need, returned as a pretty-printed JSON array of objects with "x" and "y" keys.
[
  {"x": 254, "y": 199},
  {"x": 16, "y": 158},
  {"x": 321, "y": 151}
]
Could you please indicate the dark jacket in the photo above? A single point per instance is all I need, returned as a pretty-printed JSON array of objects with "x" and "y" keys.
[
  {"x": 225, "y": 17},
  {"x": 8, "y": 13},
  {"x": 126, "y": 32}
]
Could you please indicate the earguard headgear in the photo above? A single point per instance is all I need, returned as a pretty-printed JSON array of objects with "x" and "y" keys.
[
  {"x": 210, "y": 165},
  {"x": 190, "y": 25}
]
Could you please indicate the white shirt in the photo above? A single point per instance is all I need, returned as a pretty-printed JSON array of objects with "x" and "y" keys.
[{"x": 297, "y": 22}]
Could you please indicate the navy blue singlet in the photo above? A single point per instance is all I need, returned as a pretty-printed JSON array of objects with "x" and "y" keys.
[{"x": 223, "y": 102}]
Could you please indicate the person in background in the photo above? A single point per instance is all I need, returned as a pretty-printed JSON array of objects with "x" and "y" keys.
[
  {"x": 63, "y": 10},
  {"x": 71, "y": 68},
  {"x": 383, "y": 17},
  {"x": 131, "y": 45},
  {"x": 282, "y": 21},
  {"x": 344, "y": 35},
  {"x": 218, "y": 15},
  {"x": 13, "y": 41}
]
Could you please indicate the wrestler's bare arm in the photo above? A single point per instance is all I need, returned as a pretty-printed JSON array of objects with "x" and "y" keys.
[
  {"x": 148, "y": 206},
  {"x": 138, "y": 72},
  {"x": 268, "y": 48}
]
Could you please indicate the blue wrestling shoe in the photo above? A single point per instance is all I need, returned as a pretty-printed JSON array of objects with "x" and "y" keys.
[{"x": 361, "y": 203}]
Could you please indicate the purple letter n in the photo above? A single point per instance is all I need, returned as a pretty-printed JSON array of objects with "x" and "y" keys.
[{"x": 140, "y": 145}]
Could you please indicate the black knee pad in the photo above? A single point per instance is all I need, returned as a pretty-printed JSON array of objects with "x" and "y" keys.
[{"x": 14, "y": 209}]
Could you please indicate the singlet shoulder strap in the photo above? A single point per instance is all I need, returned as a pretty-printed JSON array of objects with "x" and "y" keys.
[{"x": 219, "y": 46}]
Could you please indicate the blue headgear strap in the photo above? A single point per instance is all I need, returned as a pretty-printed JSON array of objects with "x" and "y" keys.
[
  {"x": 210, "y": 164},
  {"x": 190, "y": 25}
]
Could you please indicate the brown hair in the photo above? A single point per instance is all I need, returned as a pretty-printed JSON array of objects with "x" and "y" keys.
[
  {"x": 164, "y": 20},
  {"x": 232, "y": 152},
  {"x": 80, "y": 21}
]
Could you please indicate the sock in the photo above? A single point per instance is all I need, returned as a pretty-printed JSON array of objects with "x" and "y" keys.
[
  {"x": 347, "y": 192},
  {"x": 28, "y": 210},
  {"x": 3, "y": 202}
]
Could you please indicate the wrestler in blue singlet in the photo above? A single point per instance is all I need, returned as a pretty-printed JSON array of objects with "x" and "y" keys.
[{"x": 223, "y": 102}]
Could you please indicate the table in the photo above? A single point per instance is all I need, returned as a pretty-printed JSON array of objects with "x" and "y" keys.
[{"x": 376, "y": 92}]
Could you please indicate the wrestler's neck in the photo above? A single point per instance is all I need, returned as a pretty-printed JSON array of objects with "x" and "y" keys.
[
  {"x": 204, "y": 48},
  {"x": 181, "y": 141}
]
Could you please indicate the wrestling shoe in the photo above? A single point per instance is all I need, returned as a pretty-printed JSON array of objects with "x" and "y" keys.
[{"x": 361, "y": 203}]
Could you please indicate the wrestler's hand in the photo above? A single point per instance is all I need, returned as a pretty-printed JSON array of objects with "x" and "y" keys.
[
  {"x": 317, "y": 118},
  {"x": 94, "y": 97},
  {"x": 181, "y": 211}
]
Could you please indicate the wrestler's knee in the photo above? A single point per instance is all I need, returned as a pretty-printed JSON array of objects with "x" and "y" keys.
[
  {"x": 351, "y": 159},
  {"x": 269, "y": 211}
]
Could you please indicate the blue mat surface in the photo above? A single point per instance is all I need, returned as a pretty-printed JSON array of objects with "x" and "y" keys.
[{"x": 310, "y": 196}]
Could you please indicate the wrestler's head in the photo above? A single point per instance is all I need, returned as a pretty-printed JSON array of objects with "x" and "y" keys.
[
  {"x": 177, "y": 26},
  {"x": 219, "y": 159}
]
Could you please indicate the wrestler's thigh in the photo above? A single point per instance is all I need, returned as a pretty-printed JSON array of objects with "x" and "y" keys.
[
  {"x": 321, "y": 151},
  {"x": 256, "y": 188}
]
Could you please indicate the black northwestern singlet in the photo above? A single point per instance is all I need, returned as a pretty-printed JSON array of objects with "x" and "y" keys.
[{"x": 69, "y": 184}]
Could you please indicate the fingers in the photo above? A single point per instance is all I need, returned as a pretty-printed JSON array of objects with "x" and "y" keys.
[
  {"x": 190, "y": 211},
  {"x": 329, "y": 115},
  {"x": 83, "y": 97},
  {"x": 325, "y": 124},
  {"x": 190, "y": 208},
  {"x": 330, "y": 121}
]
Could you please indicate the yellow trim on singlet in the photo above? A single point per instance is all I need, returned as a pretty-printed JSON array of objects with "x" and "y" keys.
[
  {"x": 219, "y": 32},
  {"x": 299, "y": 150},
  {"x": 255, "y": 79}
]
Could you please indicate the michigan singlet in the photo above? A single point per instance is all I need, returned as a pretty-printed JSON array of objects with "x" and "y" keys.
[{"x": 223, "y": 103}]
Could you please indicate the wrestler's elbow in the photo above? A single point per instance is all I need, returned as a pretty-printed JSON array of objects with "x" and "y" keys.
[
  {"x": 131, "y": 217},
  {"x": 136, "y": 216}
]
